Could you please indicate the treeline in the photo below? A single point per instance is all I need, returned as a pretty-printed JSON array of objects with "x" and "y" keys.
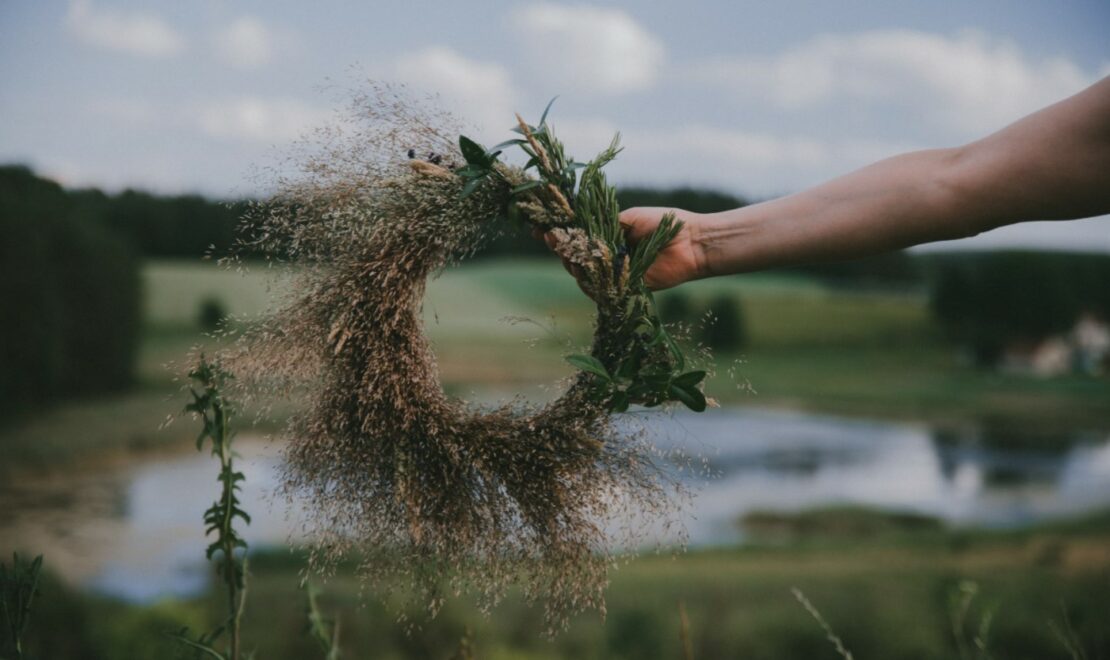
[
  {"x": 191, "y": 226},
  {"x": 154, "y": 225},
  {"x": 987, "y": 300},
  {"x": 70, "y": 290}
]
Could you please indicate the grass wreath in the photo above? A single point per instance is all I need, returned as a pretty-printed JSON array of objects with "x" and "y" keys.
[{"x": 425, "y": 486}]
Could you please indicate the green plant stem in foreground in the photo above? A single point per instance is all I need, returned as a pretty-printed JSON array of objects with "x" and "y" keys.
[
  {"x": 18, "y": 587},
  {"x": 215, "y": 413},
  {"x": 325, "y": 631}
]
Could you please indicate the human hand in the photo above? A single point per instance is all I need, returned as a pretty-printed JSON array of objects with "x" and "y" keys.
[{"x": 679, "y": 261}]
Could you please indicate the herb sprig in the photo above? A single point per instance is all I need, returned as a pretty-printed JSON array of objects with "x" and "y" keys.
[{"x": 634, "y": 360}]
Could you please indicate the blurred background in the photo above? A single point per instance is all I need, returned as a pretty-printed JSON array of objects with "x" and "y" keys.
[{"x": 919, "y": 441}]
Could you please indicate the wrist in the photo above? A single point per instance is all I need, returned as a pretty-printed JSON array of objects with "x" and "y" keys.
[
  {"x": 699, "y": 254},
  {"x": 723, "y": 242}
]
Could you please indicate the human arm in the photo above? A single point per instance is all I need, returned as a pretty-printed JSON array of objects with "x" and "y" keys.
[{"x": 1051, "y": 165}]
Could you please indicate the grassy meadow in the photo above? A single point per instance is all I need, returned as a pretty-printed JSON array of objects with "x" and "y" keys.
[
  {"x": 505, "y": 325},
  {"x": 901, "y": 593},
  {"x": 502, "y": 327}
]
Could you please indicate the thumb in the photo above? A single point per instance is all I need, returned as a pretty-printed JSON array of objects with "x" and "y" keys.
[{"x": 640, "y": 221}]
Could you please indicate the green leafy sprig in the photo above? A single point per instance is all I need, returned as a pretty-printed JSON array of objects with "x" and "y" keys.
[
  {"x": 18, "y": 587},
  {"x": 214, "y": 411},
  {"x": 634, "y": 360}
]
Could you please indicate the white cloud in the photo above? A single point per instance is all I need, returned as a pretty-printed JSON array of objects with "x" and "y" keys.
[
  {"x": 246, "y": 43},
  {"x": 255, "y": 119},
  {"x": 593, "y": 49},
  {"x": 967, "y": 84},
  {"x": 132, "y": 33},
  {"x": 752, "y": 162},
  {"x": 150, "y": 171},
  {"x": 480, "y": 93},
  {"x": 129, "y": 110},
  {"x": 757, "y": 163},
  {"x": 1087, "y": 235}
]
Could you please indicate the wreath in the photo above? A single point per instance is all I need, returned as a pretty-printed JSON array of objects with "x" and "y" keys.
[{"x": 422, "y": 485}]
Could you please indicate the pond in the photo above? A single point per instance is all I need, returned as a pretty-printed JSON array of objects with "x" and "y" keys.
[{"x": 135, "y": 531}]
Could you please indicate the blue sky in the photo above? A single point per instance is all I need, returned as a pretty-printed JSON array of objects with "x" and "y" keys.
[{"x": 755, "y": 98}]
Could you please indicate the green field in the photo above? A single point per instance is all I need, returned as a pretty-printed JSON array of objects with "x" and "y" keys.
[{"x": 811, "y": 347}]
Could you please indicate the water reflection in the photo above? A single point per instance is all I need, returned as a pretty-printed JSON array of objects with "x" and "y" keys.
[
  {"x": 136, "y": 530},
  {"x": 792, "y": 461}
]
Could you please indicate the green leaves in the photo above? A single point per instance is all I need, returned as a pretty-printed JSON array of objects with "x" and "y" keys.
[
  {"x": 470, "y": 186},
  {"x": 474, "y": 153},
  {"x": 651, "y": 387},
  {"x": 543, "y": 117},
  {"x": 589, "y": 364},
  {"x": 525, "y": 187},
  {"x": 685, "y": 389},
  {"x": 479, "y": 164},
  {"x": 18, "y": 587},
  {"x": 690, "y": 378}
]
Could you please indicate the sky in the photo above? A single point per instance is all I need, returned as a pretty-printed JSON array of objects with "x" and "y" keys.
[{"x": 758, "y": 99}]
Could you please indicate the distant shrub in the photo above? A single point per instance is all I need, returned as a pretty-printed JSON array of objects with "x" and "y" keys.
[
  {"x": 675, "y": 307},
  {"x": 211, "y": 313},
  {"x": 635, "y": 633},
  {"x": 836, "y": 522},
  {"x": 724, "y": 329}
]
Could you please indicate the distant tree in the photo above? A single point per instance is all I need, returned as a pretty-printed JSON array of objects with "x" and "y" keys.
[
  {"x": 987, "y": 300},
  {"x": 892, "y": 269},
  {"x": 692, "y": 199},
  {"x": 70, "y": 290}
]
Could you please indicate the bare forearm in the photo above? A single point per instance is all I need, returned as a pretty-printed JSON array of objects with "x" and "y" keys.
[
  {"x": 1054, "y": 164},
  {"x": 888, "y": 205}
]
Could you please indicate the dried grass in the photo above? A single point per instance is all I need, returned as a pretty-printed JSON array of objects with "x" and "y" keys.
[{"x": 449, "y": 497}]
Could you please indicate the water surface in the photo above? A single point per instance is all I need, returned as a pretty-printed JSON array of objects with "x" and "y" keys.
[{"x": 135, "y": 530}]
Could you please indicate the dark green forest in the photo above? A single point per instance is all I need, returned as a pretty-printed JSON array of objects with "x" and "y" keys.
[
  {"x": 986, "y": 300},
  {"x": 70, "y": 286}
]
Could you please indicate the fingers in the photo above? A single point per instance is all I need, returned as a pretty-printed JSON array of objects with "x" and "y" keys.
[
  {"x": 653, "y": 284},
  {"x": 640, "y": 221}
]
